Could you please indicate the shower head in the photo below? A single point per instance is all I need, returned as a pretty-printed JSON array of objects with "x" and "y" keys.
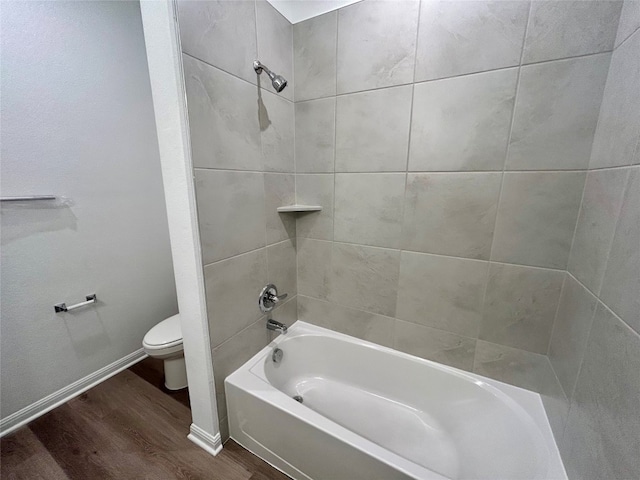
[{"x": 277, "y": 81}]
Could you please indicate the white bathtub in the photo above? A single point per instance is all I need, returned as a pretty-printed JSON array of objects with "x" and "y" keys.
[{"x": 370, "y": 412}]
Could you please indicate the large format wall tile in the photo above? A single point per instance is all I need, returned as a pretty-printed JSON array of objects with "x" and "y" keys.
[
  {"x": 433, "y": 344},
  {"x": 560, "y": 29},
  {"x": 619, "y": 122},
  {"x": 368, "y": 208},
  {"x": 451, "y": 213},
  {"x": 629, "y": 20},
  {"x": 204, "y": 26},
  {"x": 571, "y": 332},
  {"x": 603, "y": 192},
  {"x": 315, "y": 190},
  {"x": 357, "y": 323},
  {"x": 315, "y": 135},
  {"x": 275, "y": 45},
  {"x": 442, "y": 292},
  {"x": 556, "y": 114},
  {"x": 462, "y": 123},
  {"x": 365, "y": 278},
  {"x": 456, "y": 38},
  {"x": 230, "y": 212},
  {"x": 376, "y": 44},
  {"x": 372, "y": 130},
  {"x": 601, "y": 438},
  {"x": 279, "y": 190},
  {"x": 276, "y": 118},
  {"x": 223, "y": 118},
  {"x": 230, "y": 356},
  {"x": 233, "y": 286},
  {"x": 314, "y": 267},
  {"x": 282, "y": 267},
  {"x": 517, "y": 367},
  {"x": 622, "y": 277},
  {"x": 536, "y": 218},
  {"x": 520, "y": 306},
  {"x": 314, "y": 56}
]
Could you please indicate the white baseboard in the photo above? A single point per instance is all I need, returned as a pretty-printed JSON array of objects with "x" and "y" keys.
[
  {"x": 206, "y": 441},
  {"x": 33, "y": 411}
]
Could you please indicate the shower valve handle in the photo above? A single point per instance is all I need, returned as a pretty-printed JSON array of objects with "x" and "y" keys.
[{"x": 269, "y": 298}]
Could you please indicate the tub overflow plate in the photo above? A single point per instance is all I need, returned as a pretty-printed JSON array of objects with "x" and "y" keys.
[{"x": 276, "y": 356}]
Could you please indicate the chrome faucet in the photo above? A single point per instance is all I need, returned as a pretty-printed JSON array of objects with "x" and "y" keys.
[
  {"x": 276, "y": 326},
  {"x": 269, "y": 298}
]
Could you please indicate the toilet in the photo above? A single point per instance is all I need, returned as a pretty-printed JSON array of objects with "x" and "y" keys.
[{"x": 164, "y": 341}]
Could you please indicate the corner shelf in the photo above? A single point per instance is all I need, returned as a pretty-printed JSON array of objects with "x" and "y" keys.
[{"x": 299, "y": 208}]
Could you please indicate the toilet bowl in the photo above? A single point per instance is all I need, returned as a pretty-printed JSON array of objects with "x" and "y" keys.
[{"x": 164, "y": 341}]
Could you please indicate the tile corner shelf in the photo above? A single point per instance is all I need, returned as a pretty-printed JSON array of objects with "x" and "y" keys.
[{"x": 299, "y": 208}]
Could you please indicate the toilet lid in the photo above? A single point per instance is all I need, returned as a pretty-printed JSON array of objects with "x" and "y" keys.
[{"x": 167, "y": 331}]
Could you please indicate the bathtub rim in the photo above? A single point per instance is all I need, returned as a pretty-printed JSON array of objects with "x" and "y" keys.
[{"x": 251, "y": 378}]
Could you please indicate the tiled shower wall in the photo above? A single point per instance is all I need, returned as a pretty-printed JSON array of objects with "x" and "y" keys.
[
  {"x": 595, "y": 345},
  {"x": 242, "y": 141},
  {"x": 448, "y": 143}
]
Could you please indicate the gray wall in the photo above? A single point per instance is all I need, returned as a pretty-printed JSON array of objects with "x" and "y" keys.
[
  {"x": 77, "y": 121},
  {"x": 448, "y": 143},
  {"x": 242, "y": 137},
  {"x": 595, "y": 346}
]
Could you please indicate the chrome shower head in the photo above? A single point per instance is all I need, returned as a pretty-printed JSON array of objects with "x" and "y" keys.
[{"x": 278, "y": 81}]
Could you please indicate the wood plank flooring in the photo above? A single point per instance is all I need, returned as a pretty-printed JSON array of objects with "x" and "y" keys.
[{"x": 126, "y": 428}]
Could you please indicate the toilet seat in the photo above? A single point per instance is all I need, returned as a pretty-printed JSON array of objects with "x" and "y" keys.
[{"x": 165, "y": 336}]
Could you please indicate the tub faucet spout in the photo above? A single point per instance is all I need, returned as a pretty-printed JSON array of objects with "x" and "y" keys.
[{"x": 276, "y": 326}]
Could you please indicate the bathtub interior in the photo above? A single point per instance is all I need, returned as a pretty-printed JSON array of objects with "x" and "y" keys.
[{"x": 447, "y": 421}]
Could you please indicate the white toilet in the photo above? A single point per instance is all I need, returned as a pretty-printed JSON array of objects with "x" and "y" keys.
[{"x": 164, "y": 341}]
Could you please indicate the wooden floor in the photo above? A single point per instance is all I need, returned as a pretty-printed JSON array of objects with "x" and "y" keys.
[{"x": 126, "y": 428}]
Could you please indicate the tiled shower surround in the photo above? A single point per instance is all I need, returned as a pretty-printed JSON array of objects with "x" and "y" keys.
[{"x": 449, "y": 144}]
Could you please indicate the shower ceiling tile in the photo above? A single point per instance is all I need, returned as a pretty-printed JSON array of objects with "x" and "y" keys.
[{"x": 451, "y": 32}]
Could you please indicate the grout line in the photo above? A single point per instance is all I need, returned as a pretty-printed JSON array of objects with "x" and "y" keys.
[
  {"x": 555, "y": 315},
  {"x": 548, "y": 269},
  {"x": 628, "y": 37},
  {"x": 627, "y": 183}
]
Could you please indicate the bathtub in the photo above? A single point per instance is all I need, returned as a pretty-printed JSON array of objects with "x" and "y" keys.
[{"x": 370, "y": 412}]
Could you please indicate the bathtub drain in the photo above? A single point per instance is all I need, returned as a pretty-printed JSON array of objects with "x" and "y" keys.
[{"x": 298, "y": 398}]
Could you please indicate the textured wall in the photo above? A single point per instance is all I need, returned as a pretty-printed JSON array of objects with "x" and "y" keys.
[
  {"x": 449, "y": 144},
  {"x": 242, "y": 136},
  {"x": 77, "y": 121},
  {"x": 595, "y": 346}
]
